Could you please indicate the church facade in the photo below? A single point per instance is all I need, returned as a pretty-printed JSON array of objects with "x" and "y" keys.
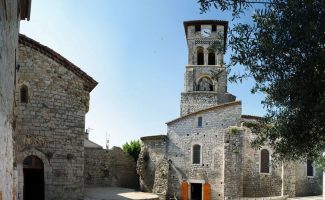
[{"x": 206, "y": 153}]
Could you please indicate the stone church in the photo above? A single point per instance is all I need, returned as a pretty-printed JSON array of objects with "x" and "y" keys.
[
  {"x": 52, "y": 97},
  {"x": 206, "y": 153}
]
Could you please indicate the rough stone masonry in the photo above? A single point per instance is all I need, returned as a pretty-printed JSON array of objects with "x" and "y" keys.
[
  {"x": 10, "y": 14},
  {"x": 52, "y": 98}
]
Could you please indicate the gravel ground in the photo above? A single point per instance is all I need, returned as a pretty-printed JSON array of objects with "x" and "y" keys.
[{"x": 115, "y": 193}]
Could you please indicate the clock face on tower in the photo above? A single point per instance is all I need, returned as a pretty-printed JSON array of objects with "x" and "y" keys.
[{"x": 206, "y": 32}]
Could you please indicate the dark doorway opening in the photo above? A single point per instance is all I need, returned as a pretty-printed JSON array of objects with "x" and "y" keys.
[
  {"x": 33, "y": 178},
  {"x": 196, "y": 191}
]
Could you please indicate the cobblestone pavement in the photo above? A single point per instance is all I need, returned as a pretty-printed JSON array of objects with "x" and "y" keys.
[
  {"x": 115, "y": 193},
  {"x": 307, "y": 198}
]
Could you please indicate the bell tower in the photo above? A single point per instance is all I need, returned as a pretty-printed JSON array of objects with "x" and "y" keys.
[{"x": 205, "y": 57}]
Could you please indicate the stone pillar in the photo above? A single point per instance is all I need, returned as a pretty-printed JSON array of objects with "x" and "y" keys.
[
  {"x": 233, "y": 143},
  {"x": 288, "y": 179}
]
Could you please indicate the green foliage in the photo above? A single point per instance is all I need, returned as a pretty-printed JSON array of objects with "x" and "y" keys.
[
  {"x": 133, "y": 148},
  {"x": 233, "y": 131},
  {"x": 283, "y": 50},
  {"x": 252, "y": 125}
]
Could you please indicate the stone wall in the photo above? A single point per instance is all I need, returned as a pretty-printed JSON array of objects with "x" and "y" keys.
[
  {"x": 256, "y": 184},
  {"x": 286, "y": 178},
  {"x": 195, "y": 101},
  {"x": 184, "y": 133},
  {"x": 113, "y": 168},
  {"x": 51, "y": 124},
  {"x": 233, "y": 156},
  {"x": 305, "y": 185},
  {"x": 9, "y": 26},
  {"x": 152, "y": 155}
]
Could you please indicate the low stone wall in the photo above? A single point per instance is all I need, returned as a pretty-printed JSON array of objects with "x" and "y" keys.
[{"x": 113, "y": 168}]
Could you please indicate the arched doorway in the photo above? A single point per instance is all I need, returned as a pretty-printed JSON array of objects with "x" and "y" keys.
[{"x": 33, "y": 169}]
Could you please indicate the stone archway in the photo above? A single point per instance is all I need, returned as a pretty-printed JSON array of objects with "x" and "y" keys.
[
  {"x": 47, "y": 170},
  {"x": 33, "y": 170}
]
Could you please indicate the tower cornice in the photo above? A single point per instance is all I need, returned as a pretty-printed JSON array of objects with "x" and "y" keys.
[{"x": 208, "y": 22}]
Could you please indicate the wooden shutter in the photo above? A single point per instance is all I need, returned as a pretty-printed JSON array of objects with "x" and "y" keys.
[
  {"x": 184, "y": 187},
  {"x": 206, "y": 191}
]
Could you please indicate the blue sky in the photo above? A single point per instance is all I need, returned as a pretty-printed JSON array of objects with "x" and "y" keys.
[{"x": 137, "y": 52}]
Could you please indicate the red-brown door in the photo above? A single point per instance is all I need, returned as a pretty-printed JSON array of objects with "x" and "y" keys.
[{"x": 184, "y": 187}]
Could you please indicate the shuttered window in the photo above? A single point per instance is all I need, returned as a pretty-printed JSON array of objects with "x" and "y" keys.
[
  {"x": 196, "y": 154},
  {"x": 310, "y": 168},
  {"x": 265, "y": 161}
]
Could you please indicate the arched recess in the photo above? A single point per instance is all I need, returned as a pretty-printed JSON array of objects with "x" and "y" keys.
[
  {"x": 47, "y": 169},
  {"x": 33, "y": 169},
  {"x": 205, "y": 84},
  {"x": 23, "y": 87},
  {"x": 199, "y": 56},
  {"x": 23, "y": 94},
  {"x": 265, "y": 161}
]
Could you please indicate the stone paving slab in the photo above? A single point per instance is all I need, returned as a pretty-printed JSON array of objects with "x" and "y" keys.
[
  {"x": 116, "y": 193},
  {"x": 307, "y": 198}
]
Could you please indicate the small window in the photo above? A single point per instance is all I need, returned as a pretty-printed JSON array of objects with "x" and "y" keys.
[
  {"x": 214, "y": 28},
  {"x": 200, "y": 57},
  {"x": 24, "y": 94},
  {"x": 196, "y": 154},
  {"x": 211, "y": 58},
  {"x": 265, "y": 161},
  {"x": 199, "y": 121},
  {"x": 197, "y": 28},
  {"x": 310, "y": 168}
]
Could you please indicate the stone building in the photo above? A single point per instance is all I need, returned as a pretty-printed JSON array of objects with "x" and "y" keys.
[
  {"x": 206, "y": 153},
  {"x": 11, "y": 12},
  {"x": 52, "y": 98}
]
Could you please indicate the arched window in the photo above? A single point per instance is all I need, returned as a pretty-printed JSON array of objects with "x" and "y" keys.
[
  {"x": 265, "y": 161},
  {"x": 24, "y": 94},
  {"x": 205, "y": 84},
  {"x": 310, "y": 168},
  {"x": 211, "y": 58},
  {"x": 196, "y": 154},
  {"x": 200, "y": 56}
]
